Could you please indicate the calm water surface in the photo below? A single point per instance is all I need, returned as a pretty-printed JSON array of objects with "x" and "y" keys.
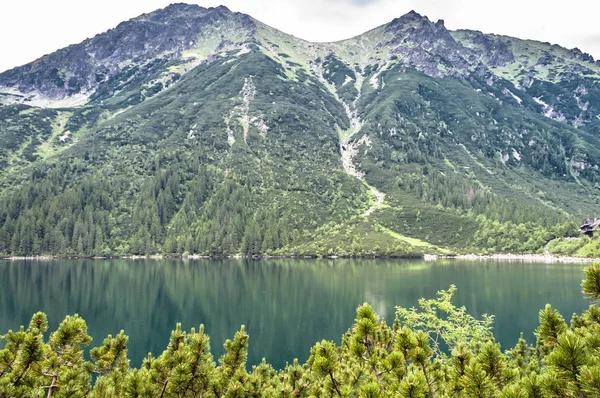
[{"x": 286, "y": 305}]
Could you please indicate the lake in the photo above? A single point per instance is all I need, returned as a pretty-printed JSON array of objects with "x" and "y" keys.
[{"x": 287, "y": 305}]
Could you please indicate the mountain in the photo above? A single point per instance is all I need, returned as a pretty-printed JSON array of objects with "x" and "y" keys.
[{"x": 204, "y": 131}]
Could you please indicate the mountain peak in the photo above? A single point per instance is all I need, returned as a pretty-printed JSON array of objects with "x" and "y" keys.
[
  {"x": 186, "y": 7},
  {"x": 409, "y": 20},
  {"x": 181, "y": 6},
  {"x": 159, "y": 35},
  {"x": 413, "y": 14},
  {"x": 222, "y": 8},
  {"x": 179, "y": 10}
]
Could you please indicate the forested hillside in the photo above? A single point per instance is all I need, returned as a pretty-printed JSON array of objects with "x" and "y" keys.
[{"x": 232, "y": 138}]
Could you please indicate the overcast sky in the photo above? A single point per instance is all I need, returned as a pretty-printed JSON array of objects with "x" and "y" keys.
[{"x": 32, "y": 28}]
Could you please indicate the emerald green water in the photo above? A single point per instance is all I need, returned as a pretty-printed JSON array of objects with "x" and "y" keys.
[{"x": 287, "y": 305}]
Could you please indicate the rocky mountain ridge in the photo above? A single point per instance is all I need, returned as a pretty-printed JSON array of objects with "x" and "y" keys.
[
  {"x": 148, "y": 41},
  {"x": 188, "y": 34}
]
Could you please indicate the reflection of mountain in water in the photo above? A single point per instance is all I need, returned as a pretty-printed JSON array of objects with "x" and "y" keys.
[{"x": 286, "y": 305}]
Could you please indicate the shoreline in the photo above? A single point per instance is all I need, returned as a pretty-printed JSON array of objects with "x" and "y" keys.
[{"x": 532, "y": 258}]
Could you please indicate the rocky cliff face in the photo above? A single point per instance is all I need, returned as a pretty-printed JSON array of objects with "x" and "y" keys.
[
  {"x": 427, "y": 46},
  {"x": 84, "y": 68}
]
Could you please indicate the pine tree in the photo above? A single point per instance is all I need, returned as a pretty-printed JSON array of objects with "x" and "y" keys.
[
  {"x": 591, "y": 283},
  {"x": 551, "y": 326}
]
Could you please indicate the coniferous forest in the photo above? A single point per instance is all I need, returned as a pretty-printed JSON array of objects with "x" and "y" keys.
[{"x": 185, "y": 208}]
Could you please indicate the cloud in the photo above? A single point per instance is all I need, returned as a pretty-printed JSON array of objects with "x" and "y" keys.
[
  {"x": 589, "y": 43},
  {"x": 362, "y": 3},
  {"x": 591, "y": 39}
]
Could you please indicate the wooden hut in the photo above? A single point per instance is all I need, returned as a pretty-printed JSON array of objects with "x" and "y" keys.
[{"x": 590, "y": 226}]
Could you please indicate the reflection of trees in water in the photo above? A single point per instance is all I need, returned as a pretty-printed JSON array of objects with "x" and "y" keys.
[{"x": 286, "y": 305}]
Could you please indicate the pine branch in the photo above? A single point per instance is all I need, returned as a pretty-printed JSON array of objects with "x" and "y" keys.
[
  {"x": 162, "y": 392},
  {"x": 51, "y": 387},
  {"x": 335, "y": 384},
  {"x": 21, "y": 375}
]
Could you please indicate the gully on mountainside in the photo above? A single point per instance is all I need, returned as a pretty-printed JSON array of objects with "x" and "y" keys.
[
  {"x": 348, "y": 147},
  {"x": 242, "y": 114}
]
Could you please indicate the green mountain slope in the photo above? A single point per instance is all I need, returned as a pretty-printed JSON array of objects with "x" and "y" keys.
[{"x": 230, "y": 137}]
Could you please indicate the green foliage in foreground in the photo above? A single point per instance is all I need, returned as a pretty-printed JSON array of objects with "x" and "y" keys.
[{"x": 407, "y": 359}]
